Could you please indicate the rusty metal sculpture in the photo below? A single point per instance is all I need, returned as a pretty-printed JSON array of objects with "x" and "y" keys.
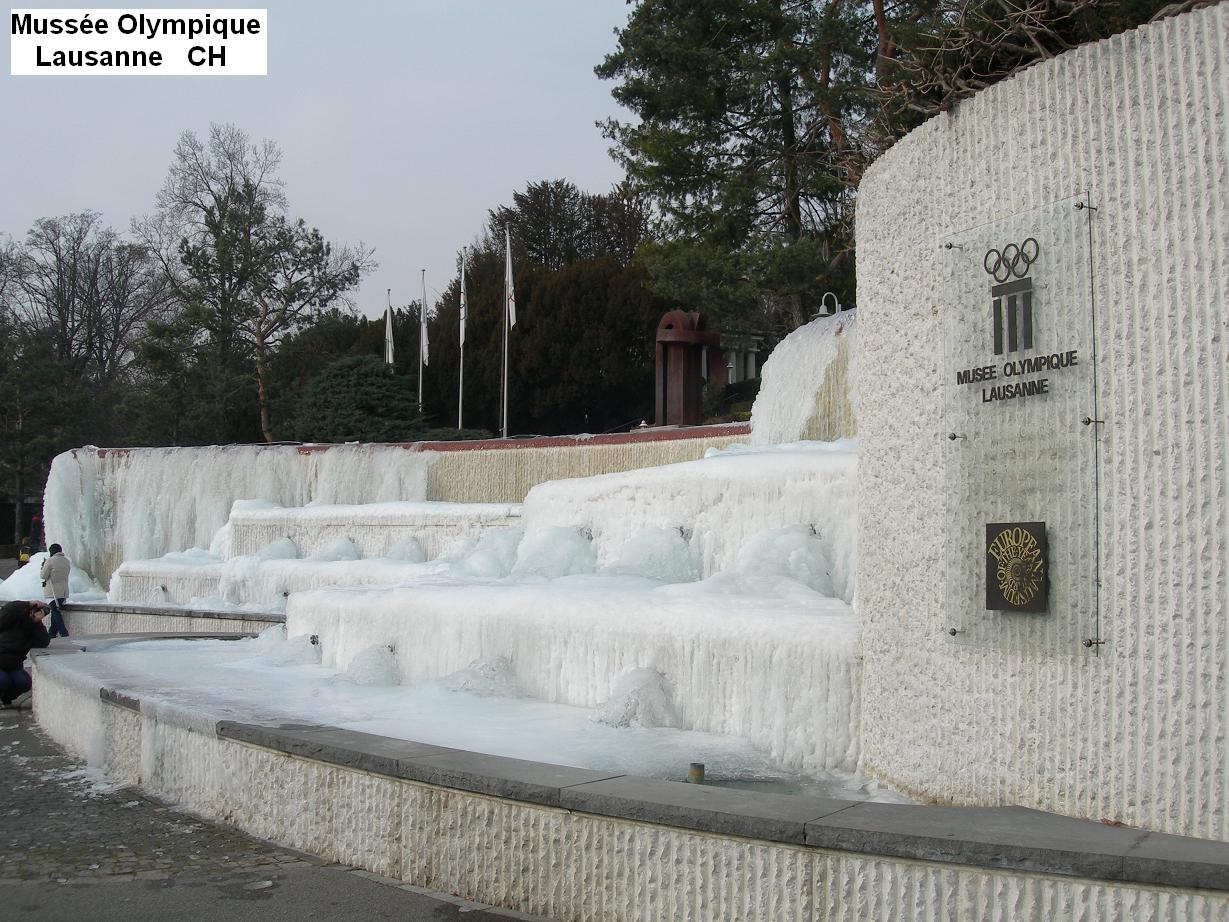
[{"x": 684, "y": 349}]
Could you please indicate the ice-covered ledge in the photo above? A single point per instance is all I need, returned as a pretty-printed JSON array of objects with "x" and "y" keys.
[
  {"x": 173, "y": 611},
  {"x": 997, "y": 840},
  {"x": 105, "y": 618}
]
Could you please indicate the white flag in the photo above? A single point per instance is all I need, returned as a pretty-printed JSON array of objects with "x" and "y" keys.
[
  {"x": 509, "y": 294},
  {"x": 388, "y": 330},
  {"x": 464, "y": 303},
  {"x": 422, "y": 319}
]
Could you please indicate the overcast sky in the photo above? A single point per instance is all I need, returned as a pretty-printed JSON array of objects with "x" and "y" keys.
[{"x": 400, "y": 123}]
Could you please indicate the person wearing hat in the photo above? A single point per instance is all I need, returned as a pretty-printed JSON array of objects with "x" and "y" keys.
[
  {"x": 55, "y": 585},
  {"x": 21, "y": 630}
]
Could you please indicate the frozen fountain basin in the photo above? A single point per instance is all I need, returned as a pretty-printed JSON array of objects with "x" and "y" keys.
[{"x": 589, "y": 844}]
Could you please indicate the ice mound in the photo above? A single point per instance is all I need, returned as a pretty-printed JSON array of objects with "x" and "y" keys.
[
  {"x": 641, "y": 698},
  {"x": 784, "y": 565},
  {"x": 408, "y": 549},
  {"x": 808, "y": 385},
  {"x": 494, "y": 555},
  {"x": 192, "y": 557},
  {"x": 281, "y": 549},
  {"x": 662, "y": 554},
  {"x": 554, "y": 551},
  {"x": 341, "y": 549},
  {"x": 493, "y": 678},
  {"x": 794, "y": 553},
  {"x": 374, "y": 665},
  {"x": 723, "y": 501},
  {"x": 275, "y": 648}
]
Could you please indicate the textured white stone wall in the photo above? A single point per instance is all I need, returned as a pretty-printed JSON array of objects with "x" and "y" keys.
[
  {"x": 1137, "y": 734},
  {"x": 506, "y": 475},
  {"x": 565, "y": 865},
  {"x": 144, "y": 582},
  {"x": 126, "y": 622},
  {"x": 373, "y": 528}
]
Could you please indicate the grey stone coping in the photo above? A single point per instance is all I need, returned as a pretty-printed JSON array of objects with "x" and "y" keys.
[
  {"x": 96, "y": 642},
  {"x": 1009, "y": 838},
  {"x": 480, "y": 773},
  {"x": 108, "y": 608},
  {"x": 752, "y": 814}
]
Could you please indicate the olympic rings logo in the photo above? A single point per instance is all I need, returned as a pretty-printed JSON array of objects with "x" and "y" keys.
[{"x": 1014, "y": 260}]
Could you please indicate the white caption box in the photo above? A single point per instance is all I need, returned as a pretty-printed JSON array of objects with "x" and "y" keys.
[{"x": 148, "y": 42}]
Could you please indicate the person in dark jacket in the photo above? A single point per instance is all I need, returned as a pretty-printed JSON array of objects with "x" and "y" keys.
[{"x": 21, "y": 630}]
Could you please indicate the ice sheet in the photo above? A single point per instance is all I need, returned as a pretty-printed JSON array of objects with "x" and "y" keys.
[{"x": 268, "y": 680}]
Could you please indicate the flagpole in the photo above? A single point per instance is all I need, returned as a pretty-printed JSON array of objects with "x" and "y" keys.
[
  {"x": 507, "y": 327},
  {"x": 461, "y": 364},
  {"x": 422, "y": 330},
  {"x": 388, "y": 330}
]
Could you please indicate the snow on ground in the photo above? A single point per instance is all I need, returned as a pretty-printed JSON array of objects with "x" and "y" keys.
[{"x": 272, "y": 680}]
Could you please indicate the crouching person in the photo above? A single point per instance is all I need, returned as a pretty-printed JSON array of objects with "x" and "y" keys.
[{"x": 21, "y": 630}]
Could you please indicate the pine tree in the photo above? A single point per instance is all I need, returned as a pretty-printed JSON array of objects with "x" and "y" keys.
[{"x": 359, "y": 398}]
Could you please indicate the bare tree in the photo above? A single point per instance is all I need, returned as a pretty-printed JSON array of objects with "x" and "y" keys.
[
  {"x": 91, "y": 293},
  {"x": 246, "y": 273},
  {"x": 216, "y": 196}
]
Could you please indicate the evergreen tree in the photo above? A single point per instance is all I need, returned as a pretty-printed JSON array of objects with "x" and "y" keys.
[
  {"x": 750, "y": 140},
  {"x": 359, "y": 398}
]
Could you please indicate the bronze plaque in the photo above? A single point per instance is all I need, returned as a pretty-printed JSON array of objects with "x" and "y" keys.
[{"x": 1017, "y": 567}]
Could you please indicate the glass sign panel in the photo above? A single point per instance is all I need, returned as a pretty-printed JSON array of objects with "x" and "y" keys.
[{"x": 1020, "y": 446}]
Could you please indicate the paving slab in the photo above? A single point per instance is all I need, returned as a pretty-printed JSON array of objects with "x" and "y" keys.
[
  {"x": 500, "y": 776},
  {"x": 1177, "y": 861},
  {"x": 349, "y": 748},
  {"x": 726, "y": 811},
  {"x": 1016, "y": 838},
  {"x": 497, "y": 776}
]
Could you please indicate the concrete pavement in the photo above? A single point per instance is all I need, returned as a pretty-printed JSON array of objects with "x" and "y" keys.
[{"x": 76, "y": 845}]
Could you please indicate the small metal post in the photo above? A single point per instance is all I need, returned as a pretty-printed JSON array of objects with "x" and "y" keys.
[{"x": 695, "y": 773}]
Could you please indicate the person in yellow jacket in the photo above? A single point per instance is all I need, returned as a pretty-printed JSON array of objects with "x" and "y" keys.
[{"x": 55, "y": 585}]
